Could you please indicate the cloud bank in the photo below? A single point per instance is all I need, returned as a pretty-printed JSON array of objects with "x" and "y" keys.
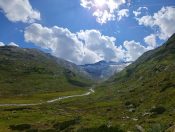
[
  {"x": 85, "y": 46},
  {"x": 19, "y": 10}
]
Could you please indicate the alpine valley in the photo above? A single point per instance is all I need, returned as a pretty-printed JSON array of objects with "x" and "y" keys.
[{"x": 42, "y": 93}]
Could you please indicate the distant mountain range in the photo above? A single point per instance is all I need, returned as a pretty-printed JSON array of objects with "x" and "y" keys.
[{"x": 102, "y": 70}]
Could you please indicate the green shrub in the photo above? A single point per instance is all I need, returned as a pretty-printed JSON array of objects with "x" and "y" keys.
[
  {"x": 158, "y": 110},
  {"x": 66, "y": 124},
  {"x": 20, "y": 127}
]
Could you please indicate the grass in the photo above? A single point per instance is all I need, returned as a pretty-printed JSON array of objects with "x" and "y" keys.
[{"x": 93, "y": 111}]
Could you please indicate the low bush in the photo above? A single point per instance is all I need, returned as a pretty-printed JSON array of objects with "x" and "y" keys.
[
  {"x": 20, "y": 127},
  {"x": 66, "y": 124},
  {"x": 158, "y": 110}
]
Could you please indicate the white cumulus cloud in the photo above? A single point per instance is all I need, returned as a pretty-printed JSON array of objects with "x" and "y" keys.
[
  {"x": 163, "y": 20},
  {"x": 123, "y": 13},
  {"x": 19, "y": 10},
  {"x": 103, "y": 46},
  {"x": 105, "y": 10},
  {"x": 139, "y": 11},
  {"x": 103, "y": 16},
  {"x": 83, "y": 47}
]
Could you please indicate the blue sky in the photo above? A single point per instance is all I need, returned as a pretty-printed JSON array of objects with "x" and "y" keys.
[{"x": 76, "y": 15}]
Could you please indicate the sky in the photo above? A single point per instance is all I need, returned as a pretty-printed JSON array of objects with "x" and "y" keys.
[{"x": 87, "y": 31}]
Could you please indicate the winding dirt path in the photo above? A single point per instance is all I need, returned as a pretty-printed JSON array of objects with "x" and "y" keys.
[{"x": 53, "y": 100}]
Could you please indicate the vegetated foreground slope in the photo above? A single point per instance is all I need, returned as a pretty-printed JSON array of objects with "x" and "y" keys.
[
  {"x": 28, "y": 71},
  {"x": 146, "y": 88}
]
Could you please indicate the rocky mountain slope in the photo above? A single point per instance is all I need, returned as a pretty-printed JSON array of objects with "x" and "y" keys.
[{"x": 102, "y": 70}]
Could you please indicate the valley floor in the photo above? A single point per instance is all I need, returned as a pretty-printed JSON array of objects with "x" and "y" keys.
[{"x": 100, "y": 111}]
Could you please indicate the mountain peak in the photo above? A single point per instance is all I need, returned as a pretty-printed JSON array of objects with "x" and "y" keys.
[{"x": 104, "y": 69}]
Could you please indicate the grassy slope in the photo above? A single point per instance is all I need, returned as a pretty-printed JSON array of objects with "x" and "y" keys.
[
  {"x": 29, "y": 71},
  {"x": 147, "y": 88}
]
